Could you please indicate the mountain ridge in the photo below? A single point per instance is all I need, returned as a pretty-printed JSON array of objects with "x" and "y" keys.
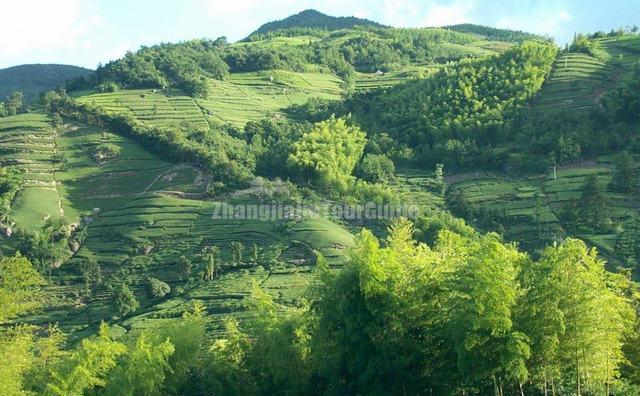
[
  {"x": 314, "y": 19},
  {"x": 34, "y": 78}
]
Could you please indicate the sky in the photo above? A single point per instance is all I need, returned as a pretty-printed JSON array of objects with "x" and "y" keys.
[{"x": 89, "y": 32}]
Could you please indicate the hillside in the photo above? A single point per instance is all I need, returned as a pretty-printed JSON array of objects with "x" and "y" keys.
[
  {"x": 34, "y": 79},
  {"x": 312, "y": 19},
  {"x": 330, "y": 206},
  {"x": 136, "y": 216}
]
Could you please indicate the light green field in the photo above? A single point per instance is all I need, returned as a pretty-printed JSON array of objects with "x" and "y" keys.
[
  {"x": 145, "y": 213},
  {"x": 241, "y": 98},
  {"x": 281, "y": 41},
  {"x": 156, "y": 107},
  {"x": 368, "y": 81},
  {"x": 516, "y": 200},
  {"x": 253, "y": 96},
  {"x": 578, "y": 81}
]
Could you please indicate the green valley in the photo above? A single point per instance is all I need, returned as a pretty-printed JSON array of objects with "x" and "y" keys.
[{"x": 328, "y": 206}]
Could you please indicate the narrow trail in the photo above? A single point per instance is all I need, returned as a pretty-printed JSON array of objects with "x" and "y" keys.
[
  {"x": 600, "y": 92},
  {"x": 53, "y": 171},
  {"x": 163, "y": 174}
]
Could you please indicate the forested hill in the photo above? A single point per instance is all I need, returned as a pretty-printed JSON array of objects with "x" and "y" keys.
[
  {"x": 195, "y": 218},
  {"x": 313, "y": 19},
  {"x": 33, "y": 79}
]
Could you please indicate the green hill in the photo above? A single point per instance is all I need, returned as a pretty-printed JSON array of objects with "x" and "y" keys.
[
  {"x": 135, "y": 215},
  {"x": 33, "y": 79},
  {"x": 209, "y": 210}
]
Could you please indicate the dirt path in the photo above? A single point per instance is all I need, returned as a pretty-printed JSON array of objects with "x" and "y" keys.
[
  {"x": 53, "y": 171},
  {"x": 451, "y": 179},
  {"x": 163, "y": 174},
  {"x": 599, "y": 93}
]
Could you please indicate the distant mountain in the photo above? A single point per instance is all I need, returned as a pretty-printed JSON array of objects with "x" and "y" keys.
[
  {"x": 33, "y": 79},
  {"x": 315, "y": 20}
]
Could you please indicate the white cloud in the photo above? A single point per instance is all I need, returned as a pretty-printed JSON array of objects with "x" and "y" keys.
[{"x": 32, "y": 27}]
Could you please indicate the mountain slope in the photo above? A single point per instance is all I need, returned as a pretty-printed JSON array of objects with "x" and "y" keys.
[
  {"x": 314, "y": 20},
  {"x": 136, "y": 216},
  {"x": 33, "y": 79}
]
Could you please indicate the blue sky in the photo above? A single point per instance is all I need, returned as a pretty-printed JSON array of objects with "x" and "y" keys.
[{"x": 86, "y": 32}]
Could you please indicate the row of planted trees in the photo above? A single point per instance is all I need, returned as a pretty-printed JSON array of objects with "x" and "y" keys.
[{"x": 469, "y": 315}]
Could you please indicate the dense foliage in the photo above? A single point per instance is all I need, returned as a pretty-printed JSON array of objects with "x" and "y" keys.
[
  {"x": 469, "y": 102},
  {"x": 187, "y": 65},
  {"x": 624, "y": 103},
  {"x": 328, "y": 154},
  {"x": 492, "y": 33},
  {"x": 182, "y": 65},
  {"x": 213, "y": 150},
  {"x": 470, "y": 315},
  {"x": 10, "y": 180}
]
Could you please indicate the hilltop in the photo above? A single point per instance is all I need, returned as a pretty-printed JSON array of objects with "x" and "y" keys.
[
  {"x": 37, "y": 78},
  {"x": 312, "y": 19}
]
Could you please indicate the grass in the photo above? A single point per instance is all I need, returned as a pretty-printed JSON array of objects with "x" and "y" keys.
[
  {"x": 257, "y": 95},
  {"x": 33, "y": 204},
  {"x": 532, "y": 220},
  {"x": 150, "y": 213},
  {"x": 579, "y": 80},
  {"x": 157, "y": 107}
]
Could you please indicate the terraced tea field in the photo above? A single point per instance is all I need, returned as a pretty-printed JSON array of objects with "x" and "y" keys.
[
  {"x": 576, "y": 82},
  {"x": 531, "y": 206},
  {"x": 27, "y": 142},
  {"x": 141, "y": 215},
  {"x": 241, "y": 98},
  {"x": 368, "y": 81},
  {"x": 623, "y": 51},
  {"x": 150, "y": 105},
  {"x": 579, "y": 80},
  {"x": 253, "y": 96}
]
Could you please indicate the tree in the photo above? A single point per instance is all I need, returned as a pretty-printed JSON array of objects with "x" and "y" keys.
[
  {"x": 88, "y": 366},
  {"x": 13, "y": 104},
  {"x": 625, "y": 176},
  {"x": 575, "y": 318},
  {"x": 592, "y": 205},
  {"x": 20, "y": 292},
  {"x": 440, "y": 181},
  {"x": 328, "y": 154},
  {"x": 158, "y": 288},
  {"x": 10, "y": 180},
  {"x": 376, "y": 168},
  {"x": 237, "y": 248},
  {"x": 628, "y": 245},
  {"x": 488, "y": 345},
  {"x": 124, "y": 300},
  {"x": 225, "y": 371},
  {"x": 185, "y": 267},
  {"x": 90, "y": 271},
  {"x": 20, "y": 287},
  {"x": 255, "y": 253},
  {"x": 143, "y": 369},
  {"x": 211, "y": 265}
]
